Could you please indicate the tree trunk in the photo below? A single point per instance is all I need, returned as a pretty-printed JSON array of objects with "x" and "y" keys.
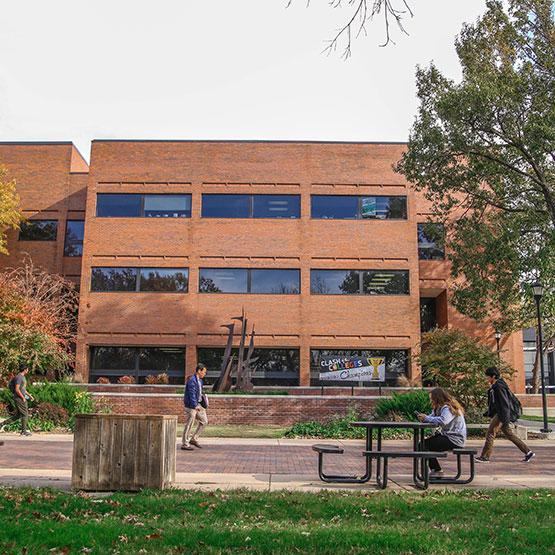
[{"x": 536, "y": 370}]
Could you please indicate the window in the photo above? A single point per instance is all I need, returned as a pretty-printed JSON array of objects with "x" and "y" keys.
[
  {"x": 164, "y": 279},
  {"x": 431, "y": 239},
  {"x": 173, "y": 280},
  {"x": 272, "y": 367},
  {"x": 139, "y": 362},
  {"x": 396, "y": 364},
  {"x": 38, "y": 230},
  {"x": 75, "y": 230},
  {"x": 359, "y": 282},
  {"x": 251, "y": 206},
  {"x": 244, "y": 280},
  {"x": 116, "y": 205},
  {"x": 167, "y": 206},
  {"x": 428, "y": 314},
  {"x": 352, "y": 207}
]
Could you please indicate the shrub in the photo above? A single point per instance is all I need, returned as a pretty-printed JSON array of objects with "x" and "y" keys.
[
  {"x": 126, "y": 380},
  {"x": 51, "y": 413},
  {"x": 4, "y": 409},
  {"x": 68, "y": 397},
  {"x": 456, "y": 362},
  {"x": 157, "y": 379},
  {"x": 403, "y": 406},
  {"x": 103, "y": 380}
]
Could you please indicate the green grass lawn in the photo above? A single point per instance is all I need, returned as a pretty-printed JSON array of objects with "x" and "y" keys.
[
  {"x": 497, "y": 521},
  {"x": 244, "y": 431},
  {"x": 537, "y": 418}
]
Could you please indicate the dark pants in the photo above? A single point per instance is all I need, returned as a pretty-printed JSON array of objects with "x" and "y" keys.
[
  {"x": 438, "y": 443},
  {"x": 21, "y": 411}
]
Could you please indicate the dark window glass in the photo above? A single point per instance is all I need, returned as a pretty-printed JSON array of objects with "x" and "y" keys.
[
  {"x": 428, "y": 314},
  {"x": 335, "y": 207},
  {"x": 383, "y": 208},
  {"x": 138, "y": 362},
  {"x": 164, "y": 279},
  {"x": 223, "y": 280},
  {"x": 272, "y": 367},
  {"x": 431, "y": 239},
  {"x": 275, "y": 281},
  {"x": 162, "y": 360},
  {"x": 277, "y": 206},
  {"x": 75, "y": 231},
  {"x": 167, "y": 206},
  {"x": 114, "y": 279},
  {"x": 115, "y": 205},
  {"x": 113, "y": 358},
  {"x": 396, "y": 365},
  {"x": 386, "y": 282},
  {"x": 334, "y": 282},
  {"x": 38, "y": 230},
  {"x": 226, "y": 206}
]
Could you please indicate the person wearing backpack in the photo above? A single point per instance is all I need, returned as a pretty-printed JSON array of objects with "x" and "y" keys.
[
  {"x": 503, "y": 408},
  {"x": 17, "y": 386}
]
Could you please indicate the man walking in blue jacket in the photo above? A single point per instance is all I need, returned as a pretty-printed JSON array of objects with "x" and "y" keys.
[{"x": 194, "y": 411}]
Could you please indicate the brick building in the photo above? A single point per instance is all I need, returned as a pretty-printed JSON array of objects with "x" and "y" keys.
[{"x": 321, "y": 244}]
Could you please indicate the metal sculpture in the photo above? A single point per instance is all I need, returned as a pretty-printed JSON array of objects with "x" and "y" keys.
[{"x": 243, "y": 369}]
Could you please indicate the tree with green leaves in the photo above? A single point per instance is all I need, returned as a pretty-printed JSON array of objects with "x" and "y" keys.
[
  {"x": 10, "y": 213},
  {"x": 482, "y": 150}
]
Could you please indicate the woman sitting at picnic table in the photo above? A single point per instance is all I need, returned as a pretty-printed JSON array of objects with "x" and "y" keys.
[{"x": 448, "y": 414}]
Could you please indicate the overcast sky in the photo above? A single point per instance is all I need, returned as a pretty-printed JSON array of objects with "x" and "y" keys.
[{"x": 225, "y": 69}]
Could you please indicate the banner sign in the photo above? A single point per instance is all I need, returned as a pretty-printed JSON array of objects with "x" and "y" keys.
[
  {"x": 357, "y": 369},
  {"x": 368, "y": 207}
]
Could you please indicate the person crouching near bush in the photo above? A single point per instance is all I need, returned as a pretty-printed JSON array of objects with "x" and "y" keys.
[
  {"x": 18, "y": 388},
  {"x": 448, "y": 414}
]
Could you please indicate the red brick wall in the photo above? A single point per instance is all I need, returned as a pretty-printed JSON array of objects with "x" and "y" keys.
[{"x": 252, "y": 409}]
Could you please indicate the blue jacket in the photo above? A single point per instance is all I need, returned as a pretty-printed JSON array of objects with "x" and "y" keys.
[{"x": 192, "y": 392}]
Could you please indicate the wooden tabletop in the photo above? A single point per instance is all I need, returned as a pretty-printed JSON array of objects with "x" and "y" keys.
[{"x": 377, "y": 424}]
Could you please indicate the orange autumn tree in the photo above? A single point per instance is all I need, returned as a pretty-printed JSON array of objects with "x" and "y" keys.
[
  {"x": 10, "y": 212},
  {"x": 38, "y": 321}
]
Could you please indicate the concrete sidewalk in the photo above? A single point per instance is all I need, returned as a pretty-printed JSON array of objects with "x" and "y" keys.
[{"x": 270, "y": 464}]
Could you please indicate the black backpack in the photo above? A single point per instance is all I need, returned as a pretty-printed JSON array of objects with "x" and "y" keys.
[{"x": 515, "y": 406}]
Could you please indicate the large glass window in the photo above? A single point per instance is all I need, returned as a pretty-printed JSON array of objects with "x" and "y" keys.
[
  {"x": 75, "y": 231},
  {"x": 113, "y": 279},
  {"x": 167, "y": 206},
  {"x": 251, "y": 206},
  {"x": 385, "y": 282},
  {"x": 115, "y": 205},
  {"x": 272, "y": 367},
  {"x": 244, "y": 280},
  {"x": 352, "y": 207},
  {"x": 428, "y": 314},
  {"x": 431, "y": 240},
  {"x": 138, "y": 362},
  {"x": 124, "y": 205},
  {"x": 359, "y": 282},
  {"x": 164, "y": 279},
  {"x": 38, "y": 230},
  {"x": 173, "y": 280},
  {"x": 396, "y": 365}
]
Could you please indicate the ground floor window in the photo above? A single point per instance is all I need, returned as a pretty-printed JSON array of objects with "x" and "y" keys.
[
  {"x": 111, "y": 363},
  {"x": 396, "y": 364},
  {"x": 273, "y": 367}
]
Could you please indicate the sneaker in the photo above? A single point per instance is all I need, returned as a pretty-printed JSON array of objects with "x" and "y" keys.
[
  {"x": 195, "y": 443},
  {"x": 26, "y": 433},
  {"x": 186, "y": 448},
  {"x": 436, "y": 473},
  {"x": 529, "y": 456},
  {"x": 482, "y": 459}
]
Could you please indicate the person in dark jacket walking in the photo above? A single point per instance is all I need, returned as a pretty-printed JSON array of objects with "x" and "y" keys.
[
  {"x": 18, "y": 389},
  {"x": 194, "y": 411},
  {"x": 499, "y": 410}
]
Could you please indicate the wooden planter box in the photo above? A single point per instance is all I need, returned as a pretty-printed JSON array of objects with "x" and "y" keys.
[{"x": 123, "y": 452}]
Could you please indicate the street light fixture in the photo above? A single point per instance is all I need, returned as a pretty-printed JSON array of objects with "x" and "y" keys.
[
  {"x": 537, "y": 288},
  {"x": 497, "y": 340}
]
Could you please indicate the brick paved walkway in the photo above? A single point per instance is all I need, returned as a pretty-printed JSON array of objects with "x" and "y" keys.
[{"x": 229, "y": 456}]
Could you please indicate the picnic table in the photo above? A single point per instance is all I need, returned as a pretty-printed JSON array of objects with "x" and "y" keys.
[{"x": 420, "y": 471}]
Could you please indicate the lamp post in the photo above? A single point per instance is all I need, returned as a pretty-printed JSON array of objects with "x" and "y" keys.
[
  {"x": 497, "y": 340},
  {"x": 537, "y": 288}
]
